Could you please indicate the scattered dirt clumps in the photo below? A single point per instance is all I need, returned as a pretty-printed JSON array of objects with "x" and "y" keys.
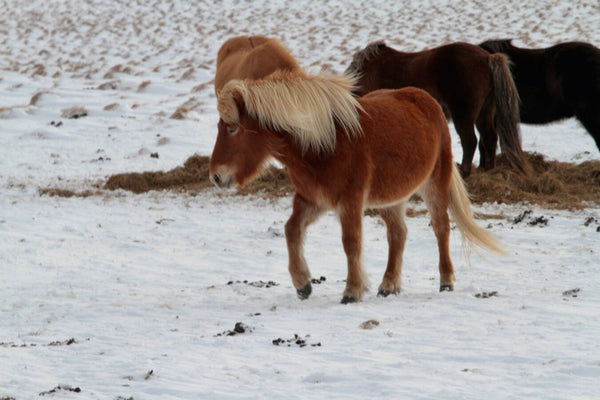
[
  {"x": 296, "y": 340},
  {"x": 239, "y": 328}
]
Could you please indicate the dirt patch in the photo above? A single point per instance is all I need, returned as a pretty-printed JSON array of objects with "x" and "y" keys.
[{"x": 553, "y": 184}]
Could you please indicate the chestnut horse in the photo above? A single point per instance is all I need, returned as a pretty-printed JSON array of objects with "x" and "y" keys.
[
  {"x": 473, "y": 87},
  {"x": 557, "y": 82},
  {"x": 346, "y": 154},
  {"x": 251, "y": 57}
]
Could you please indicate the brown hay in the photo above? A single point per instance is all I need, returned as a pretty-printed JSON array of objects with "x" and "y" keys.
[
  {"x": 35, "y": 98},
  {"x": 52, "y": 192},
  {"x": 553, "y": 184},
  {"x": 110, "y": 107},
  {"x": 193, "y": 176},
  {"x": 191, "y": 104},
  {"x": 143, "y": 86}
]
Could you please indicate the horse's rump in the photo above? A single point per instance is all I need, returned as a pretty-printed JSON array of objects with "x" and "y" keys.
[
  {"x": 472, "y": 87},
  {"x": 252, "y": 57},
  {"x": 556, "y": 82}
]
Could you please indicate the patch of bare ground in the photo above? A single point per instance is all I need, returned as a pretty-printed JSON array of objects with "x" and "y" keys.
[{"x": 553, "y": 184}]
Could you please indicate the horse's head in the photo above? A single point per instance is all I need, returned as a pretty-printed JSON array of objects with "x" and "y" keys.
[
  {"x": 240, "y": 152},
  {"x": 286, "y": 110}
]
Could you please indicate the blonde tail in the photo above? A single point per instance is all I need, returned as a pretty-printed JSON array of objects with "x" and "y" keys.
[{"x": 460, "y": 207}]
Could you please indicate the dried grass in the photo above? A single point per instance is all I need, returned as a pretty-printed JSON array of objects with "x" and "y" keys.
[{"x": 555, "y": 185}]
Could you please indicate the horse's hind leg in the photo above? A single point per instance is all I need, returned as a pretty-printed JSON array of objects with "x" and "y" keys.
[
  {"x": 590, "y": 119},
  {"x": 351, "y": 221},
  {"x": 466, "y": 131},
  {"x": 488, "y": 137},
  {"x": 396, "y": 236},
  {"x": 436, "y": 200},
  {"x": 303, "y": 214}
]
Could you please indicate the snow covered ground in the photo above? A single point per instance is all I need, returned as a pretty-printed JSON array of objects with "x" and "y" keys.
[{"x": 123, "y": 296}]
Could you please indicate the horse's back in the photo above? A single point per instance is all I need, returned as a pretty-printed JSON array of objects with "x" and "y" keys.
[
  {"x": 411, "y": 102},
  {"x": 251, "y": 57},
  {"x": 238, "y": 44},
  {"x": 456, "y": 74},
  {"x": 408, "y": 140}
]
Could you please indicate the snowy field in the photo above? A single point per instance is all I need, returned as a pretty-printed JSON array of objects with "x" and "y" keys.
[{"x": 123, "y": 296}]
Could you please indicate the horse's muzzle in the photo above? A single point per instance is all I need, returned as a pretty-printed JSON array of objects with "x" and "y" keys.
[{"x": 219, "y": 181}]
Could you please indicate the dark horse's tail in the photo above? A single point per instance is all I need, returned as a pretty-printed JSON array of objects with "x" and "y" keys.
[{"x": 507, "y": 112}]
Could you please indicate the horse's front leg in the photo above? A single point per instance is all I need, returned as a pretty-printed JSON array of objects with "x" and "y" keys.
[
  {"x": 356, "y": 282},
  {"x": 303, "y": 214}
]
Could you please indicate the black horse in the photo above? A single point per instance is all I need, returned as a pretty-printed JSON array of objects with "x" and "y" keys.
[{"x": 557, "y": 82}]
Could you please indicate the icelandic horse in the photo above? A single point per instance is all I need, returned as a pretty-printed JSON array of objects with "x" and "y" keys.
[
  {"x": 472, "y": 86},
  {"x": 554, "y": 83},
  {"x": 346, "y": 154},
  {"x": 251, "y": 57}
]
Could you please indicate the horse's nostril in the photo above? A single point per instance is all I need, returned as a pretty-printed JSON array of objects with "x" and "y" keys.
[{"x": 216, "y": 179}]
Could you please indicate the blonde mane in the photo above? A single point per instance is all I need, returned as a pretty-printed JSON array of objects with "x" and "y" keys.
[{"x": 307, "y": 107}]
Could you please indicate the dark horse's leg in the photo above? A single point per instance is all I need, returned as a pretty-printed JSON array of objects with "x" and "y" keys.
[
  {"x": 303, "y": 214},
  {"x": 589, "y": 116},
  {"x": 466, "y": 130},
  {"x": 488, "y": 136},
  {"x": 396, "y": 235}
]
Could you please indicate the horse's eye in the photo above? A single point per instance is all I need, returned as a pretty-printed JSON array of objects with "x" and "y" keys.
[{"x": 232, "y": 130}]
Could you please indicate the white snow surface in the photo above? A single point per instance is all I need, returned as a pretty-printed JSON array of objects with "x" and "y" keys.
[{"x": 124, "y": 296}]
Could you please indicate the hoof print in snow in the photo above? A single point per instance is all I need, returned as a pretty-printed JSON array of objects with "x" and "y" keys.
[{"x": 318, "y": 281}]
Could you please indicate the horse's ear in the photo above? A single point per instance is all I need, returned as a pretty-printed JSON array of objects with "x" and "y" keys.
[
  {"x": 231, "y": 105},
  {"x": 239, "y": 102}
]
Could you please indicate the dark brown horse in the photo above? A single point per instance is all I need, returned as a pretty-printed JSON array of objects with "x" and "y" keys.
[
  {"x": 557, "y": 82},
  {"x": 473, "y": 87},
  {"x": 346, "y": 154}
]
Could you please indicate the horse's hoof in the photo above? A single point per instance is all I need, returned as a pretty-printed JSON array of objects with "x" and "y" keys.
[
  {"x": 305, "y": 292},
  {"x": 348, "y": 299},
  {"x": 446, "y": 288},
  {"x": 384, "y": 293}
]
